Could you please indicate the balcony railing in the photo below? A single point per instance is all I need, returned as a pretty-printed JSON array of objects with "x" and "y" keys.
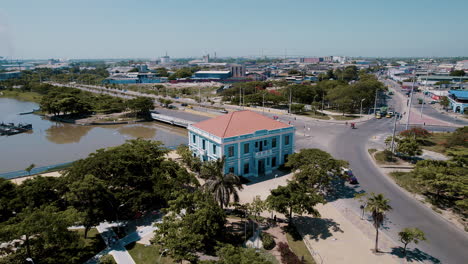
[{"x": 263, "y": 153}]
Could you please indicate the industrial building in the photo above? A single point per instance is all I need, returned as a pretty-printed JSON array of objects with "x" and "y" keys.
[{"x": 219, "y": 75}]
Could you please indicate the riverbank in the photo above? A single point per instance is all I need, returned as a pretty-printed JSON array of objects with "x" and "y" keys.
[
  {"x": 99, "y": 119},
  {"x": 22, "y": 96}
]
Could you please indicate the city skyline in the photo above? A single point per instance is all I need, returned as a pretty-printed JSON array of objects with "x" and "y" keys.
[{"x": 119, "y": 29}]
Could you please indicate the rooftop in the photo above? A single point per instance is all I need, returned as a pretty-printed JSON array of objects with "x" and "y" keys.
[
  {"x": 460, "y": 94},
  {"x": 239, "y": 123},
  {"x": 214, "y": 72}
]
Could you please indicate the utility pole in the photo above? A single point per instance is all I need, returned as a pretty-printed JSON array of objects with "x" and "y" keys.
[
  {"x": 240, "y": 96},
  {"x": 393, "y": 135},
  {"x": 290, "y": 100},
  {"x": 263, "y": 103},
  {"x": 323, "y": 100},
  {"x": 410, "y": 100},
  {"x": 424, "y": 94},
  {"x": 199, "y": 95},
  {"x": 360, "y": 111},
  {"x": 375, "y": 101}
]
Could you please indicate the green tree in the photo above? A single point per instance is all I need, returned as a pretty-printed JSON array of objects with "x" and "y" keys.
[
  {"x": 409, "y": 147},
  {"x": 194, "y": 223},
  {"x": 315, "y": 169},
  {"x": 222, "y": 186},
  {"x": 8, "y": 195},
  {"x": 141, "y": 105},
  {"x": 91, "y": 197},
  {"x": 193, "y": 163},
  {"x": 29, "y": 168},
  {"x": 460, "y": 73},
  {"x": 44, "y": 232},
  {"x": 297, "y": 108},
  {"x": 444, "y": 101},
  {"x": 230, "y": 254},
  {"x": 257, "y": 206},
  {"x": 136, "y": 173},
  {"x": 459, "y": 138},
  {"x": 162, "y": 72},
  {"x": 409, "y": 235},
  {"x": 294, "y": 198},
  {"x": 443, "y": 179},
  {"x": 377, "y": 205}
]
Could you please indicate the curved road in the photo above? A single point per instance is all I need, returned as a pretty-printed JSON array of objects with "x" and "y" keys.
[{"x": 445, "y": 242}]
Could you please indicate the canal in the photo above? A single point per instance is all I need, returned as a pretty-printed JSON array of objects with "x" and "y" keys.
[{"x": 51, "y": 143}]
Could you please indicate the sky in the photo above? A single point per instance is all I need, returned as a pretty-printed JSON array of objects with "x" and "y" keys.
[{"x": 95, "y": 29}]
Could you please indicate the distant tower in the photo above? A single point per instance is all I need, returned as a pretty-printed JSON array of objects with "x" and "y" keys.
[
  {"x": 165, "y": 59},
  {"x": 206, "y": 58}
]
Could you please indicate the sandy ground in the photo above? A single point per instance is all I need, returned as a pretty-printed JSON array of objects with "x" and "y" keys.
[
  {"x": 339, "y": 236},
  {"x": 49, "y": 174}
]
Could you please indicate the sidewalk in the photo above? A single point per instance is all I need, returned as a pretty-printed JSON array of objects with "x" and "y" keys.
[
  {"x": 116, "y": 249},
  {"x": 339, "y": 236}
]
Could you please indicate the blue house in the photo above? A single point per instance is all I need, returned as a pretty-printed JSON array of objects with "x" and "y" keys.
[
  {"x": 458, "y": 100},
  {"x": 253, "y": 144}
]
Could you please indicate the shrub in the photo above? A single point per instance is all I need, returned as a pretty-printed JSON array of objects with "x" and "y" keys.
[
  {"x": 416, "y": 132},
  {"x": 107, "y": 259},
  {"x": 287, "y": 256},
  {"x": 458, "y": 138},
  {"x": 268, "y": 241}
]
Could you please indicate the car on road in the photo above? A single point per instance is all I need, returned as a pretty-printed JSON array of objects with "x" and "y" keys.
[
  {"x": 184, "y": 104},
  {"x": 224, "y": 111},
  {"x": 378, "y": 116}
]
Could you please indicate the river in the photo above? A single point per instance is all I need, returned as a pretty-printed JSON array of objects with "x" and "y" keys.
[{"x": 51, "y": 143}]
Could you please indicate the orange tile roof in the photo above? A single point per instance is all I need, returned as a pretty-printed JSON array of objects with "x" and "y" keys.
[{"x": 238, "y": 123}]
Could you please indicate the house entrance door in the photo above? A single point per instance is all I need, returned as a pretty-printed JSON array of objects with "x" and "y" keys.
[{"x": 261, "y": 167}]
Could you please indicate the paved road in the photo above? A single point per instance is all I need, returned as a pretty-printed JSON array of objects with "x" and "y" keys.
[
  {"x": 427, "y": 108},
  {"x": 446, "y": 242}
]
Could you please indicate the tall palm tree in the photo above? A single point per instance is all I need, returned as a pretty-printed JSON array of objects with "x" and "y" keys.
[
  {"x": 377, "y": 205},
  {"x": 222, "y": 186}
]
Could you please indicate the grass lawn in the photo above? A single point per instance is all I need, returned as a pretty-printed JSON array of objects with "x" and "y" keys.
[
  {"x": 406, "y": 180},
  {"x": 372, "y": 151},
  {"x": 142, "y": 254},
  {"x": 93, "y": 243},
  {"x": 382, "y": 159},
  {"x": 317, "y": 115},
  {"x": 296, "y": 244},
  {"x": 345, "y": 117},
  {"x": 436, "y": 142},
  {"x": 23, "y": 96}
]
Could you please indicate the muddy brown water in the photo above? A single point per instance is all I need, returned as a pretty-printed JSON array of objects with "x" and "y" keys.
[{"x": 54, "y": 143}]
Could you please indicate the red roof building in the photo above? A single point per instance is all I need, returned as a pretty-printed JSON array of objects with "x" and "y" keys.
[{"x": 253, "y": 144}]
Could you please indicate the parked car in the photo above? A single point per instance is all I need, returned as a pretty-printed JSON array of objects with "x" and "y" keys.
[
  {"x": 224, "y": 111},
  {"x": 184, "y": 104}
]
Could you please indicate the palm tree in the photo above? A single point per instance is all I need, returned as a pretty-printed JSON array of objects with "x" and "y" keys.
[
  {"x": 377, "y": 205},
  {"x": 221, "y": 185}
]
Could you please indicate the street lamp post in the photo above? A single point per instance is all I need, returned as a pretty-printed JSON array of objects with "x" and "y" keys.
[
  {"x": 313, "y": 102},
  {"x": 410, "y": 101},
  {"x": 360, "y": 111},
  {"x": 263, "y": 103}
]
